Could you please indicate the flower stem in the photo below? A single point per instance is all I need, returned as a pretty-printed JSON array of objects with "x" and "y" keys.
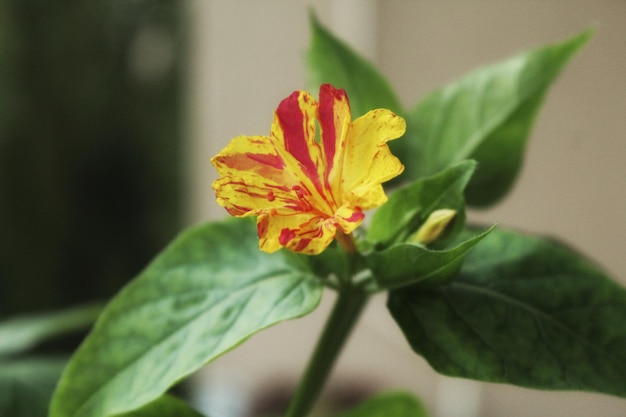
[
  {"x": 346, "y": 311},
  {"x": 346, "y": 241}
]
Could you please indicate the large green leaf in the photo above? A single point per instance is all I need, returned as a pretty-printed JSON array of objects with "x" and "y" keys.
[
  {"x": 487, "y": 116},
  {"x": 165, "y": 406},
  {"x": 24, "y": 332},
  {"x": 207, "y": 292},
  {"x": 407, "y": 264},
  {"x": 410, "y": 206},
  {"x": 393, "y": 404},
  {"x": 332, "y": 61},
  {"x": 525, "y": 311},
  {"x": 26, "y": 385}
]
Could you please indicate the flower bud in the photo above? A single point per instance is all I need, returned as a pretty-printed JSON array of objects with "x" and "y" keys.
[{"x": 434, "y": 226}]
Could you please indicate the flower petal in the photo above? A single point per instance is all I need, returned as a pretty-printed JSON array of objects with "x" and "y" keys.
[
  {"x": 254, "y": 178},
  {"x": 334, "y": 118},
  {"x": 349, "y": 218},
  {"x": 368, "y": 162},
  {"x": 294, "y": 127},
  {"x": 304, "y": 233}
]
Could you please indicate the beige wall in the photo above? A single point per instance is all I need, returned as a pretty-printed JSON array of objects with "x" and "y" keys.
[{"x": 247, "y": 55}]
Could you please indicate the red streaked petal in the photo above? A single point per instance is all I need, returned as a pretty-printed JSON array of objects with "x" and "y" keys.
[
  {"x": 254, "y": 178},
  {"x": 306, "y": 233},
  {"x": 286, "y": 235},
  {"x": 273, "y": 161},
  {"x": 253, "y": 154},
  {"x": 349, "y": 217},
  {"x": 334, "y": 119},
  {"x": 313, "y": 236},
  {"x": 295, "y": 126}
]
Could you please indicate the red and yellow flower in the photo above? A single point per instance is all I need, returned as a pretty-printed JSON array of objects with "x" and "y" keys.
[{"x": 316, "y": 173}]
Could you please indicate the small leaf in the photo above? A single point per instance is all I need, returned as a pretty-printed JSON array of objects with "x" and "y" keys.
[
  {"x": 486, "y": 116},
  {"x": 332, "y": 61},
  {"x": 410, "y": 206},
  {"x": 165, "y": 406},
  {"x": 18, "y": 334},
  {"x": 26, "y": 385},
  {"x": 524, "y": 311},
  {"x": 408, "y": 264},
  {"x": 210, "y": 290},
  {"x": 393, "y": 404}
]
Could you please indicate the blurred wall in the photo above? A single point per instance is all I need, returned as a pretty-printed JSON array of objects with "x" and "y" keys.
[{"x": 247, "y": 56}]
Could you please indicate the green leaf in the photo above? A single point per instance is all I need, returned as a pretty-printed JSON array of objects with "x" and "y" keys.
[
  {"x": 487, "y": 116},
  {"x": 410, "y": 206},
  {"x": 26, "y": 385},
  {"x": 332, "y": 61},
  {"x": 18, "y": 334},
  {"x": 525, "y": 311},
  {"x": 210, "y": 290},
  {"x": 409, "y": 263},
  {"x": 165, "y": 406},
  {"x": 393, "y": 404}
]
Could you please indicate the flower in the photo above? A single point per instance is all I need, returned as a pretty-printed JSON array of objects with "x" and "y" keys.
[{"x": 315, "y": 174}]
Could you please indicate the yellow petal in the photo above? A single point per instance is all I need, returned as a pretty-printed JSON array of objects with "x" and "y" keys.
[
  {"x": 368, "y": 161},
  {"x": 366, "y": 196},
  {"x": 348, "y": 218},
  {"x": 253, "y": 177},
  {"x": 305, "y": 233}
]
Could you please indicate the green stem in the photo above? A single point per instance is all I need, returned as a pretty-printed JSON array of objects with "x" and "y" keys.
[{"x": 346, "y": 311}]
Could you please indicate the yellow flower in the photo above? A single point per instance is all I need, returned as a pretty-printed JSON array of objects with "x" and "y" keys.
[{"x": 314, "y": 175}]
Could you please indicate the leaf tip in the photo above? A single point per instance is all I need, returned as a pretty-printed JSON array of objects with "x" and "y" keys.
[
  {"x": 468, "y": 164},
  {"x": 314, "y": 21}
]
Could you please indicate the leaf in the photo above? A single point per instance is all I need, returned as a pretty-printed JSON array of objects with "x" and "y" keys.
[
  {"x": 393, "y": 404},
  {"x": 332, "y": 61},
  {"x": 410, "y": 206},
  {"x": 487, "y": 116},
  {"x": 18, "y": 334},
  {"x": 524, "y": 311},
  {"x": 165, "y": 406},
  {"x": 408, "y": 264},
  {"x": 26, "y": 385},
  {"x": 210, "y": 290}
]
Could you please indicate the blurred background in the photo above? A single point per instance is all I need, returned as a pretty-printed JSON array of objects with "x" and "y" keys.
[
  {"x": 90, "y": 145},
  {"x": 110, "y": 112}
]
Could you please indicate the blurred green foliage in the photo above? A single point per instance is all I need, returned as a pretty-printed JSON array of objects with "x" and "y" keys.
[{"x": 90, "y": 95}]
